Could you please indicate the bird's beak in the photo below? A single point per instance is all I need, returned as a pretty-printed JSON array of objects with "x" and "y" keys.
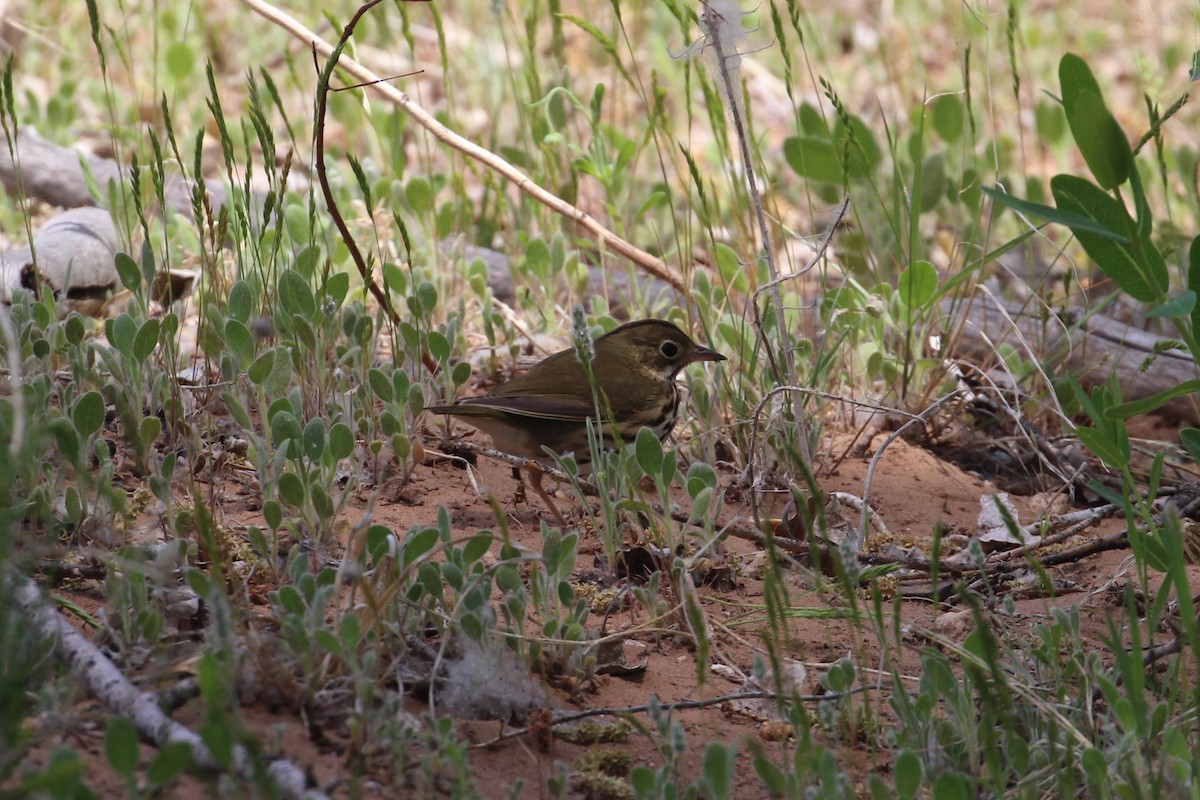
[{"x": 702, "y": 353}]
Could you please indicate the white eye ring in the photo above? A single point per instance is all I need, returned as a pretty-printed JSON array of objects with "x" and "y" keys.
[{"x": 669, "y": 349}]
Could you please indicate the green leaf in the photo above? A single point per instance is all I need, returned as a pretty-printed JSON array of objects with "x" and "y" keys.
[
  {"x": 948, "y": 117},
  {"x": 173, "y": 759},
  {"x": 477, "y": 546},
  {"x": 417, "y": 545},
  {"x": 272, "y": 514},
  {"x": 649, "y": 452},
  {"x": 66, "y": 436},
  {"x": 907, "y": 769},
  {"x": 858, "y": 141},
  {"x": 427, "y": 296},
  {"x": 1095, "y": 769},
  {"x": 260, "y": 370},
  {"x": 281, "y": 372},
  {"x": 240, "y": 342},
  {"x": 1075, "y": 77},
  {"x": 295, "y": 295},
  {"x": 321, "y": 501},
  {"x": 918, "y": 284},
  {"x": 1101, "y": 141},
  {"x": 1190, "y": 439},
  {"x": 128, "y": 271},
  {"x": 121, "y": 746},
  {"x": 284, "y": 428},
  {"x": 313, "y": 439},
  {"x": 149, "y": 430},
  {"x": 1147, "y": 404},
  {"x": 88, "y": 413},
  {"x": 537, "y": 257},
  {"x": 952, "y": 786},
  {"x": 1137, "y": 267},
  {"x": 1050, "y": 119},
  {"x": 1076, "y": 222},
  {"x": 718, "y": 769},
  {"x": 380, "y": 385},
  {"x": 733, "y": 272},
  {"x": 814, "y": 158},
  {"x": 121, "y": 333},
  {"x": 419, "y": 194},
  {"x": 933, "y": 181},
  {"x": 241, "y": 301},
  {"x": 439, "y": 347},
  {"x": 341, "y": 441},
  {"x": 181, "y": 60},
  {"x": 337, "y": 286},
  {"x": 291, "y": 489},
  {"x": 146, "y": 340},
  {"x": 1179, "y": 306}
]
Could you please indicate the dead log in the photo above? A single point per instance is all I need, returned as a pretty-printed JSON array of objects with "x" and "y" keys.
[{"x": 1091, "y": 347}]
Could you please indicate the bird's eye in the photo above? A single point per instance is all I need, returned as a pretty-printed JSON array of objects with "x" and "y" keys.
[{"x": 669, "y": 349}]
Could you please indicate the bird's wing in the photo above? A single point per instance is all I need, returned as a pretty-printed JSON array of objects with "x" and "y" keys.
[{"x": 550, "y": 407}]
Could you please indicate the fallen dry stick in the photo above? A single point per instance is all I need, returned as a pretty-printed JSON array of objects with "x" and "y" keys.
[{"x": 111, "y": 687}]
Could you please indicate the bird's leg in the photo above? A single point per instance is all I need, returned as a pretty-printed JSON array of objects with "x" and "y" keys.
[
  {"x": 519, "y": 497},
  {"x": 536, "y": 473}
]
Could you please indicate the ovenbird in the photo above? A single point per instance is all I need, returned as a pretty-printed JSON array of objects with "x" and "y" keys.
[{"x": 634, "y": 367}]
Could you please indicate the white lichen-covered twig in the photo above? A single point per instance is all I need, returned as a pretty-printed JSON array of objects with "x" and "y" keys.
[{"x": 102, "y": 678}]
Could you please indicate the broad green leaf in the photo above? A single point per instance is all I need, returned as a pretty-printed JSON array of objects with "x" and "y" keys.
[
  {"x": 295, "y": 295},
  {"x": 313, "y": 439},
  {"x": 261, "y": 368},
  {"x": 419, "y": 194},
  {"x": 285, "y": 427},
  {"x": 907, "y": 770},
  {"x": 1074, "y": 76},
  {"x": 121, "y": 746},
  {"x": 814, "y": 158},
  {"x": 1179, "y": 306},
  {"x": 240, "y": 341},
  {"x": 948, "y": 117},
  {"x": 291, "y": 489},
  {"x": 1190, "y": 439},
  {"x": 933, "y": 181},
  {"x": 477, "y": 546},
  {"x": 1101, "y": 140},
  {"x": 857, "y": 141},
  {"x": 1147, "y": 404},
  {"x": 1137, "y": 266},
  {"x": 128, "y": 271},
  {"x": 649, "y": 452},
  {"x": 146, "y": 340},
  {"x": 241, "y": 301},
  {"x": 1051, "y": 120},
  {"x": 337, "y": 286},
  {"x": 341, "y": 440},
  {"x": 918, "y": 284},
  {"x": 88, "y": 413},
  {"x": 1076, "y": 222},
  {"x": 380, "y": 384},
  {"x": 121, "y": 332},
  {"x": 418, "y": 545},
  {"x": 181, "y": 60}
]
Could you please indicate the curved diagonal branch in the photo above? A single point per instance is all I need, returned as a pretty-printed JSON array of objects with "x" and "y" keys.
[{"x": 604, "y": 237}]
